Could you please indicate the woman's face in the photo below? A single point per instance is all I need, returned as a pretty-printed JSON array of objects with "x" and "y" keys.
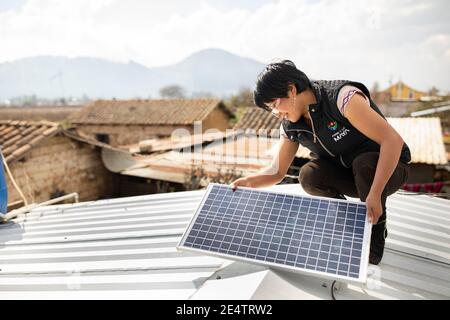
[
  {"x": 279, "y": 107},
  {"x": 285, "y": 108}
]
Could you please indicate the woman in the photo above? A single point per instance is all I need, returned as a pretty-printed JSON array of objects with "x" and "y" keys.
[{"x": 356, "y": 152}]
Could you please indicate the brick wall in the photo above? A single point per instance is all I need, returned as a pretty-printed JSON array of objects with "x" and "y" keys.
[
  {"x": 216, "y": 120},
  {"x": 60, "y": 165}
]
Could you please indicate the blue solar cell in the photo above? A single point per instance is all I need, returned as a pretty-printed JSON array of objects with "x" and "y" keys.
[{"x": 311, "y": 233}]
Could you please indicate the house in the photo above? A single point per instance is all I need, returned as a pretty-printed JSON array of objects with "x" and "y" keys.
[
  {"x": 402, "y": 92},
  {"x": 126, "y": 249},
  {"x": 122, "y": 122},
  {"x": 398, "y": 100},
  {"x": 45, "y": 163}
]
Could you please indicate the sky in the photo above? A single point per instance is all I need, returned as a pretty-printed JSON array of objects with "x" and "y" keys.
[{"x": 363, "y": 40}]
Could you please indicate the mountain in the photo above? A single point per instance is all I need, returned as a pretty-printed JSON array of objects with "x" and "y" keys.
[{"x": 212, "y": 70}]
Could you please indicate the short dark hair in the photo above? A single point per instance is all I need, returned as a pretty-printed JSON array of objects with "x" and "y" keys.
[{"x": 273, "y": 82}]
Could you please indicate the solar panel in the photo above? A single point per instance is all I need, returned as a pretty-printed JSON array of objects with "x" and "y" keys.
[{"x": 316, "y": 235}]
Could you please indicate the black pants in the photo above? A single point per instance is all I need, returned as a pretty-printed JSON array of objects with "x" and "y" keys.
[{"x": 322, "y": 177}]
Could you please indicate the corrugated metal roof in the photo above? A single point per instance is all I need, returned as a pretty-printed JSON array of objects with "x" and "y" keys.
[
  {"x": 233, "y": 152},
  {"x": 179, "y": 142},
  {"x": 244, "y": 147},
  {"x": 120, "y": 248},
  {"x": 424, "y": 138},
  {"x": 125, "y": 249},
  {"x": 429, "y": 111}
]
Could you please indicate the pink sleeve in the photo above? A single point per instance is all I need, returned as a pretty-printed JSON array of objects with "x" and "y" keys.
[{"x": 344, "y": 96}]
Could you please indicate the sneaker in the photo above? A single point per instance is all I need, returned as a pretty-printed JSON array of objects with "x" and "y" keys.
[{"x": 377, "y": 242}]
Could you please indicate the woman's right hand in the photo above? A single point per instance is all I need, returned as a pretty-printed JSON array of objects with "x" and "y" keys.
[{"x": 241, "y": 182}]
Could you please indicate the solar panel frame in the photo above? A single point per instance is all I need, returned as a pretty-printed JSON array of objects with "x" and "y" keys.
[{"x": 363, "y": 266}]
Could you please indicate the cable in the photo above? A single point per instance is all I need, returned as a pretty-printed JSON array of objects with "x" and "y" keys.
[{"x": 332, "y": 290}]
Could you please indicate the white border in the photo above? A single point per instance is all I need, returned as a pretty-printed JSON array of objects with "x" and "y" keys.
[
  {"x": 197, "y": 211},
  {"x": 365, "y": 246}
]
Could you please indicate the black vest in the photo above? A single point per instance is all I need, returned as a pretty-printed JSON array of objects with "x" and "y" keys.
[{"x": 335, "y": 138}]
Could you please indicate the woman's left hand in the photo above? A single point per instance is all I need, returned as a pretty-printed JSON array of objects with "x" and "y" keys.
[{"x": 374, "y": 207}]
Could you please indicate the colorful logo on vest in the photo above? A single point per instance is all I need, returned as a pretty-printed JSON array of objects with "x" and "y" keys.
[{"x": 332, "y": 125}]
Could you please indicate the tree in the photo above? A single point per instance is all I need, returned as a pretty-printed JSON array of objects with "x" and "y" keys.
[
  {"x": 239, "y": 102},
  {"x": 433, "y": 92},
  {"x": 172, "y": 91},
  {"x": 244, "y": 98}
]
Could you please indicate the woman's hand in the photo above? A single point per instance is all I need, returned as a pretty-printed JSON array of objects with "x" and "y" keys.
[
  {"x": 374, "y": 207},
  {"x": 241, "y": 182}
]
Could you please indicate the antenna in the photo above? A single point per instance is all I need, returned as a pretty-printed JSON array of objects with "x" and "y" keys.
[{"x": 59, "y": 75}]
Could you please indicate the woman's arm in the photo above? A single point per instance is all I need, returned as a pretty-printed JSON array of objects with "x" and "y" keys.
[
  {"x": 372, "y": 125},
  {"x": 275, "y": 172}
]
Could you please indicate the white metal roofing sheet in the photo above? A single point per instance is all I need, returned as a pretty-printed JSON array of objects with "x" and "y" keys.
[{"x": 125, "y": 249}]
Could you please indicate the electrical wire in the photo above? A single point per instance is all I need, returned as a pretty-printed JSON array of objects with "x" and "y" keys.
[
  {"x": 14, "y": 181},
  {"x": 332, "y": 290}
]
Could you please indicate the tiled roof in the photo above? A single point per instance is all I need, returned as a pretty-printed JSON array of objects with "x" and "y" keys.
[
  {"x": 148, "y": 112},
  {"x": 256, "y": 119},
  {"x": 18, "y": 137},
  {"x": 424, "y": 138}
]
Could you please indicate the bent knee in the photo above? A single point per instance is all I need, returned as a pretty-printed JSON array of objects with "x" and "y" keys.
[
  {"x": 365, "y": 163},
  {"x": 309, "y": 177}
]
